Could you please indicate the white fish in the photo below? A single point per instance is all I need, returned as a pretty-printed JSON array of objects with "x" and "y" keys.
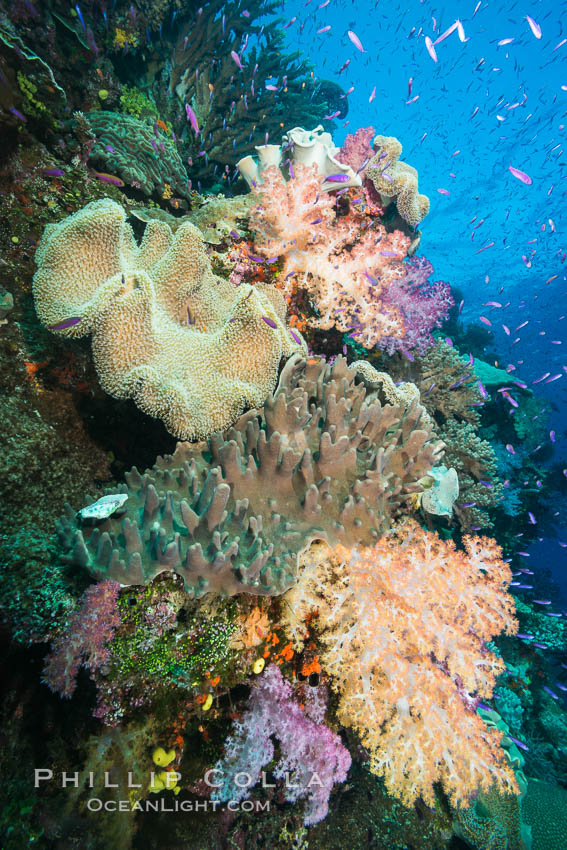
[
  {"x": 535, "y": 28},
  {"x": 103, "y": 507}
]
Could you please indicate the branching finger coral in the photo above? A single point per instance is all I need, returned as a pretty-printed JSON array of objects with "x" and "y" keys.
[
  {"x": 404, "y": 628},
  {"x": 189, "y": 348},
  {"x": 232, "y": 514}
]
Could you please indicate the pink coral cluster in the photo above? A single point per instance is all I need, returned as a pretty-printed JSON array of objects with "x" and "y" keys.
[
  {"x": 352, "y": 269},
  {"x": 357, "y": 149},
  {"x": 310, "y": 752},
  {"x": 424, "y": 305},
  {"x": 357, "y": 152},
  {"x": 85, "y": 640},
  {"x": 345, "y": 262}
]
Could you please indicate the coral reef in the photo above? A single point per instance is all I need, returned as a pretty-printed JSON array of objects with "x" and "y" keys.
[
  {"x": 272, "y": 578},
  {"x": 188, "y": 347},
  {"x": 404, "y": 628},
  {"x": 84, "y": 642},
  {"x": 353, "y": 272},
  {"x": 141, "y": 155},
  {"x": 545, "y": 810},
  {"x": 230, "y": 103},
  {"x": 337, "y": 262},
  {"x": 449, "y": 385},
  {"x": 231, "y": 515}
]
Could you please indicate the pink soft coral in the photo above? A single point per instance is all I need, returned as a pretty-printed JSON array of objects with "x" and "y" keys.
[
  {"x": 423, "y": 304},
  {"x": 345, "y": 265},
  {"x": 357, "y": 150},
  {"x": 309, "y": 752},
  {"x": 405, "y": 626},
  {"x": 85, "y": 640}
]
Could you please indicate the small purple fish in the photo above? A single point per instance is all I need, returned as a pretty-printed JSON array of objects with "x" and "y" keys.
[
  {"x": 269, "y": 322},
  {"x": 18, "y": 114},
  {"x": 550, "y": 692},
  {"x": 520, "y": 744},
  {"x": 53, "y": 172},
  {"x": 295, "y": 337},
  {"x": 337, "y": 178},
  {"x": 356, "y": 41},
  {"x": 192, "y": 118},
  {"x": 66, "y": 323}
]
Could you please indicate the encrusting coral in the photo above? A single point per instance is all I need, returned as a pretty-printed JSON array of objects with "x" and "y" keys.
[
  {"x": 232, "y": 514},
  {"x": 404, "y": 627},
  {"x": 188, "y": 347},
  {"x": 396, "y": 181}
]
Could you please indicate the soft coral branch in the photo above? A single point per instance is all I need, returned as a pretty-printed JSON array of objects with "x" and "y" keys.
[{"x": 404, "y": 628}]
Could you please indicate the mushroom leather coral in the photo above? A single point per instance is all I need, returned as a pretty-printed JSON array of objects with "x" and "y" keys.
[
  {"x": 232, "y": 514},
  {"x": 188, "y": 347}
]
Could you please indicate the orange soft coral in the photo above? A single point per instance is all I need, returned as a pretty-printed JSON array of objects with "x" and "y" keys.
[
  {"x": 344, "y": 267},
  {"x": 405, "y": 626},
  {"x": 252, "y": 629}
]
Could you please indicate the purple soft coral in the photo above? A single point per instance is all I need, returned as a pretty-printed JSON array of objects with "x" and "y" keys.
[
  {"x": 85, "y": 640},
  {"x": 424, "y": 305},
  {"x": 312, "y": 759}
]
